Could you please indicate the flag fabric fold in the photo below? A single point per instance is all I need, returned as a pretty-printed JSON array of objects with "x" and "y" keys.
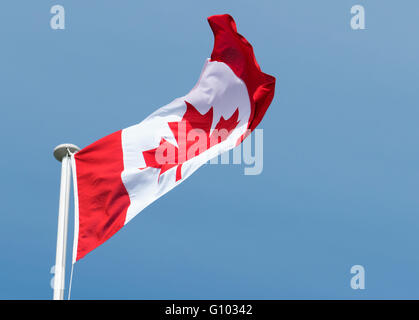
[{"x": 119, "y": 175}]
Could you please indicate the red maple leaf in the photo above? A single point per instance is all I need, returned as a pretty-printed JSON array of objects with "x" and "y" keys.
[{"x": 193, "y": 136}]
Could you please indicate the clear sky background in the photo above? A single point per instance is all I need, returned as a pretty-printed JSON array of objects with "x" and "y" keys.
[{"x": 341, "y": 161}]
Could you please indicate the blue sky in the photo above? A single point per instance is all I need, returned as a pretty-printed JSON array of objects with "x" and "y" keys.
[{"x": 340, "y": 180}]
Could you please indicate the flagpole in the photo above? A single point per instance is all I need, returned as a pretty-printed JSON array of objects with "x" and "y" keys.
[{"x": 62, "y": 154}]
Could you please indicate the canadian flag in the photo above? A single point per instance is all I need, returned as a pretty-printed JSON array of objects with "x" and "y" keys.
[{"x": 119, "y": 175}]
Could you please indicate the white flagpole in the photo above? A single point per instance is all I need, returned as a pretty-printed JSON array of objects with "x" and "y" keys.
[{"x": 62, "y": 154}]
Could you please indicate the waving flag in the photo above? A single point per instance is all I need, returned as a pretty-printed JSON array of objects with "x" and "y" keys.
[{"x": 119, "y": 175}]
